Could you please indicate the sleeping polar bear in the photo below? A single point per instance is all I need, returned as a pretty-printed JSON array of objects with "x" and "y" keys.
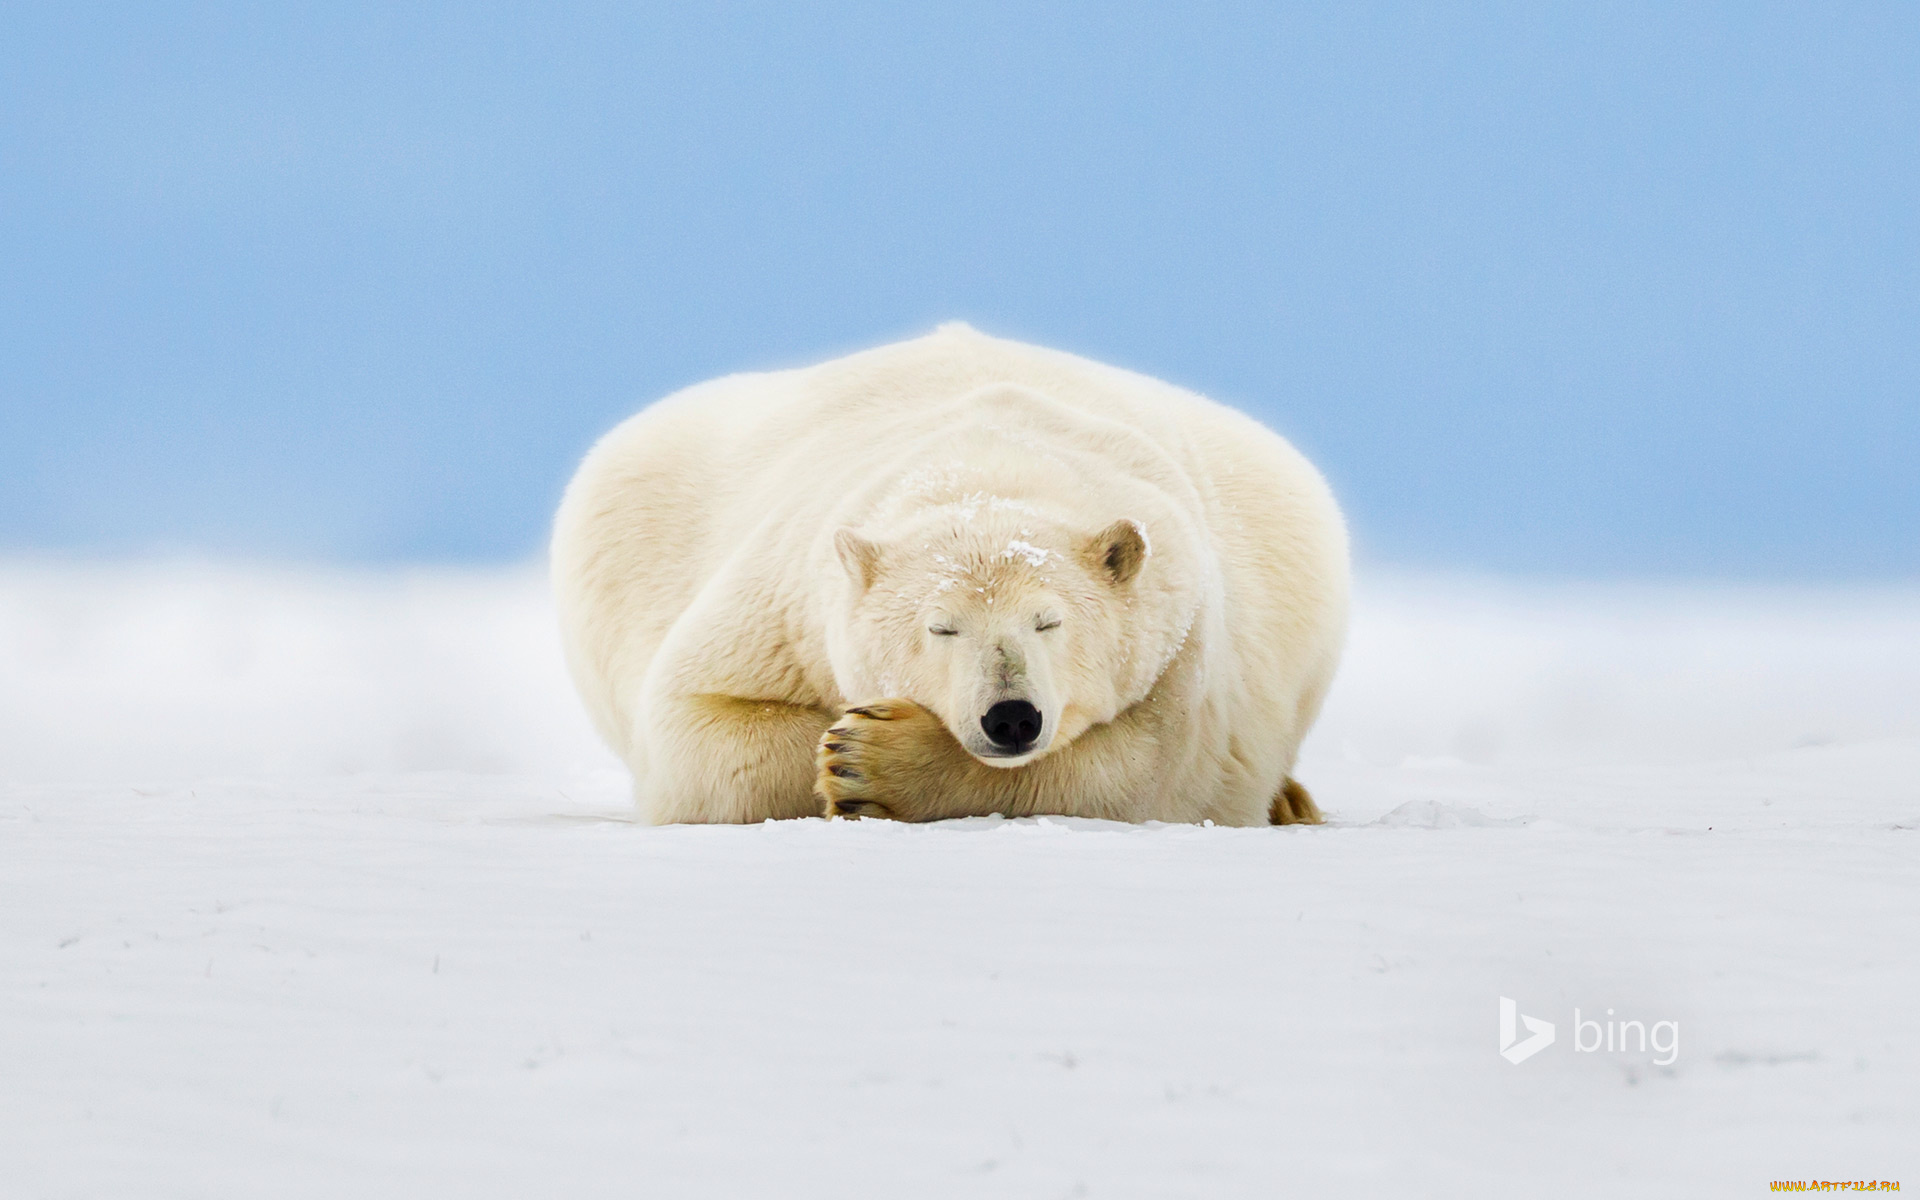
[{"x": 949, "y": 577}]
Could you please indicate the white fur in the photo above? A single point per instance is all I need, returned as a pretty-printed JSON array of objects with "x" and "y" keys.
[{"x": 743, "y": 560}]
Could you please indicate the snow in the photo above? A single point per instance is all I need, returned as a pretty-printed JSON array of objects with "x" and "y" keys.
[
  {"x": 316, "y": 884},
  {"x": 1027, "y": 552}
]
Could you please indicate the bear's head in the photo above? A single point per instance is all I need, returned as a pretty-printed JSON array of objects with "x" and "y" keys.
[{"x": 1018, "y": 631}]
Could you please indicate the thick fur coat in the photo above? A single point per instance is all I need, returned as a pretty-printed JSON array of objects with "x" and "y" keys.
[{"x": 952, "y": 576}]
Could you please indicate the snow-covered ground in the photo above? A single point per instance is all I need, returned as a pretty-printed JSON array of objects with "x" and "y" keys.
[{"x": 316, "y": 884}]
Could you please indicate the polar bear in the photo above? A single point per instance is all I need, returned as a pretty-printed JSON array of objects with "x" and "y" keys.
[{"x": 953, "y": 576}]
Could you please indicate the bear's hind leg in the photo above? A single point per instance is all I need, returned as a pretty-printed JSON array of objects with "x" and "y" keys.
[{"x": 1292, "y": 805}]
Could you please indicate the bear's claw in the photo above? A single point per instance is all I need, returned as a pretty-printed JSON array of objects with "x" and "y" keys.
[
  {"x": 869, "y": 763},
  {"x": 860, "y": 808}
]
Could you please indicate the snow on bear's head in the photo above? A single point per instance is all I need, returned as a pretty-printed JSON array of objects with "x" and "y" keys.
[{"x": 1018, "y": 631}]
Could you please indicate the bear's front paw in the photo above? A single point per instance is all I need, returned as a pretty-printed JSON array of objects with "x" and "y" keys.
[{"x": 878, "y": 759}]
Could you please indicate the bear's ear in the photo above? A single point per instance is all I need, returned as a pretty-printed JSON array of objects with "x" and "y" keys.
[
  {"x": 1120, "y": 550},
  {"x": 859, "y": 556}
]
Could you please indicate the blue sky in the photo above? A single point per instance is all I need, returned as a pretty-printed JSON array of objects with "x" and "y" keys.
[{"x": 1623, "y": 292}]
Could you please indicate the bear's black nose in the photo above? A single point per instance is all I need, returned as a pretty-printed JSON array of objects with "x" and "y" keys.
[{"x": 1012, "y": 725}]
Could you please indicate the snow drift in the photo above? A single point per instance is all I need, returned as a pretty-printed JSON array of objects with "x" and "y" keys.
[{"x": 317, "y": 883}]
